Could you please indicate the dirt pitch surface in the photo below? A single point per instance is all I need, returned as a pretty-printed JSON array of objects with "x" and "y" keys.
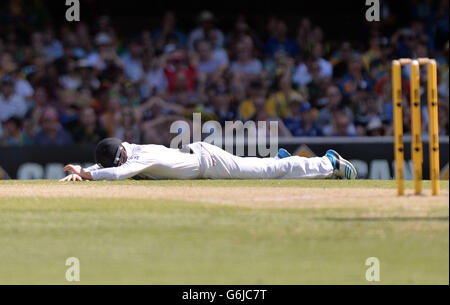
[
  {"x": 222, "y": 232},
  {"x": 244, "y": 196}
]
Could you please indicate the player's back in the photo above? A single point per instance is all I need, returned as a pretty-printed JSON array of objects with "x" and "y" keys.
[{"x": 163, "y": 162}]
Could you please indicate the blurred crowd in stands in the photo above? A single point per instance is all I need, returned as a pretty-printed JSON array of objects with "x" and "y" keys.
[{"x": 82, "y": 81}]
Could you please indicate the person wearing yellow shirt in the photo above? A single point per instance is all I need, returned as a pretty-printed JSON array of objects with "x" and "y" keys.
[
  {"x": 277, "y": 103},
  {"x": 247, "y": 108}
]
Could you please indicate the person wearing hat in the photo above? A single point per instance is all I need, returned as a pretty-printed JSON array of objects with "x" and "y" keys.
[
  {"x": 106, "y": 55},
  {"x": 205, "y": 22},
  {"x": 11, "y": 103},
  {"x": 375, "y": 127}
]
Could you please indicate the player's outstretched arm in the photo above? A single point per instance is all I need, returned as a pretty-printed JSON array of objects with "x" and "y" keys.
[{"x": 125, "y": 171}]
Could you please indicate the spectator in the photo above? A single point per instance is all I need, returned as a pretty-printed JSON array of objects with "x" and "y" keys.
[
  {"x": 247, "y": 107},
  {"x": 443, "y": 117},
  {"x": 308, "y": 127},
  {"x": 222, "y": 106},
  {"x": 178, "y": 67},
  {"x": 442, "y": 24},
  {"x": 293, "y": 121},
  {"x": 132, "y": 61},
  {"x": 333, "y": 104},
  {"x": 443, "y": 72},
  {"x": 128, "y": 128},
  {"x": 88, "y": 131},
  {"x": 89, "y": 77},
  {"x": 206, "y": 24},
  {"x": 136, "y": 90},
  {"x": 374, "y": 51},
  {"x": 70, "y": 75},
  {"x": 340, "y": 59},
  {"x": 305, "y": 34},
  {"x": 281, "y": 42},
  {"x": 147, "y": 43},
  {"x": 374, "y": 127},
  {"x": 277, "y": 103},
  {"x": 21, "y": 86},
  {"x": 301, "y": 122},
  {"x": 369, "y": 110},
  {"x": 130, "y": 94},
  {"x": 168, "y": 31},
  {"x": 51, "y": 133},
  {"x": 52, "y": 48},
  {"x": 219, "y": 52},
  {"x": 13, "y": 134},
  {"x": 245, "y": 63},
  {"x": 110, "y": 118},
  {"x": 387, "y": 113},
  {"x": 340, "y": 126},
  {"x": 11, "y": 103},
  {"x": 182, "y": 94},
  {"x": 153, "y": 80},
  {"x": 356, "y": 79},
  {"x": 302, "y": 76},
  {"x": 317, "y": 84},
  {"x": 207, "y": 62},
  {"x": 106, "y": 55}
]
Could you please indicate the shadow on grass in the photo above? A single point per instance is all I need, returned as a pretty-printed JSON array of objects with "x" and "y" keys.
[{"x": 387, "y": 219}]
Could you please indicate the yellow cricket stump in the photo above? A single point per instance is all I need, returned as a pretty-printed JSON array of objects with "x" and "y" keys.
[
  {"x": 398, "y": 123},
  {"x": 416, "y": 122},
  {"x": 416, "y": 126},
  {"x": 433, "y": 126}
]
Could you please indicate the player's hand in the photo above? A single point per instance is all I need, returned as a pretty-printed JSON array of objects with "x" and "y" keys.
[
  {"x": 72, "y": 177},
  {"x": 76, "y": 169}
]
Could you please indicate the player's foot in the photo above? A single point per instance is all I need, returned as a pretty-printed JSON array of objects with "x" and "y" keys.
[
  {"x": 282, "y": 153},
  {"x": 342, "y": 168}
]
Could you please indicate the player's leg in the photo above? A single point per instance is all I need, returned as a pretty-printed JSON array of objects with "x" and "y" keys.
[
  {"x": 294, "y": 167},
  {"x": 227, "y": 166}
]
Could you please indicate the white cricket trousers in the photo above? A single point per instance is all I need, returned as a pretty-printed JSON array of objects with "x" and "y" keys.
[{"x": 216, "y": 163}]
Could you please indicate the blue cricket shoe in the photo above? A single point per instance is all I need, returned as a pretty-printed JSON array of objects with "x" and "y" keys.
[
  {"x": 282, "y": 153},
  {"x": 342, "y": 168}
]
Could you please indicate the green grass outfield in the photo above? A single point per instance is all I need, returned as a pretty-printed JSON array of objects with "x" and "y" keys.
[{"x": 120, "y": 237}]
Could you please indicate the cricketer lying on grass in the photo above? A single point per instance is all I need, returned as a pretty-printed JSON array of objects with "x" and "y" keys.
[{"x": 117, "y": 160}]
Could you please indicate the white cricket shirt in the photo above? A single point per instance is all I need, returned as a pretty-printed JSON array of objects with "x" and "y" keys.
[{"x": 151, "y": 162}]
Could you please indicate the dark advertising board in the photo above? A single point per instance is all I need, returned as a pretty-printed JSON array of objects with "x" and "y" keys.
[{"x": 373, "y": 157}]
